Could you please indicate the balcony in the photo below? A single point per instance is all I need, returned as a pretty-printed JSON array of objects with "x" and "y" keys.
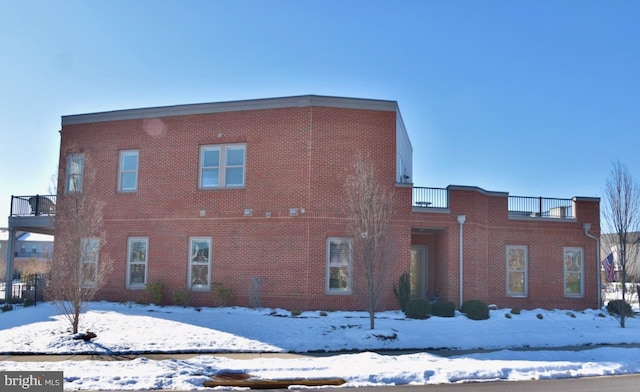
[
  {"x": 525, "y": 207},
  {"x": 34, "y": 213}
]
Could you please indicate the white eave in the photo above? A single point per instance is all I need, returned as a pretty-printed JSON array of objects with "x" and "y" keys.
[{"x": 231, "y": 106}]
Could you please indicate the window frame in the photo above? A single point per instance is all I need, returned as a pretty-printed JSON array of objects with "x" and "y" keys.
[
  {"x": 190, "y": 264},
  {"x": 524, "y": 270},
  {"x": 222, "y": 166},
  {"x": 86, "y": 259},
  {"x": 348, "y": 264},
  {"x": 566, "y": 272},
  {"x": 122, "y": 171},
  {"x": 72, "y": 177},
  {"x": 130, "y": 263}
]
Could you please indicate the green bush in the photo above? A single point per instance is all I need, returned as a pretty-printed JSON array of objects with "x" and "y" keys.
[
  {"x": 475, "y": 309},
  {"x": 181, "y": 297},
  {"x": 417, "y": 309},
  {"x": 155, "y": 292},
  {"x": 28, "y": 302},
  {"x": 221, "y": 295},
  {"x": 515, "y": 311},
  {"x": 619, "y": 307},
  {"x": 443, "y": 309},
  {"x": 403, "y": 291}
]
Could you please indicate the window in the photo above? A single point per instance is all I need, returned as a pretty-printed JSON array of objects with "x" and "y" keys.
[
  {"x": 75, "y": 165},
  {"x": 89, "y": 249},
  {"x": 339, "y": 252},
  {"x": 138, "y": 250},
  {"x": 128, "y": 172},
  {"x": 517, "y": 267},
  {"x": 199, "y": 262},
  {"x": 222, "y": 166},
  {"x": 573, "y": 272}
]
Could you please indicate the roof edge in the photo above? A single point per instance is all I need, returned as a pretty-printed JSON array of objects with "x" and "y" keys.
[{"x": 231, "y": 106}]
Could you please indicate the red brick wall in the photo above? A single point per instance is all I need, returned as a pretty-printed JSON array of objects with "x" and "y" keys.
[
  {"x": 299, "y": 157},
  {"x": 488, "y": 230},
  {"x": 295, "y": 158}
]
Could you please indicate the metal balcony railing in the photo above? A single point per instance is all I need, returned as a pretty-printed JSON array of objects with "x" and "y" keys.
[
  {"x": 430, "y": 197},
  {"x": 543, "y": 207},
  {"x": 518, "y": 206},
  {"x": 33, "y": 205}
]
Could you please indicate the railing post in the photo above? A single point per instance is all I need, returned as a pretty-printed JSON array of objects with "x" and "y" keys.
[{"x": 540, "y": 206}]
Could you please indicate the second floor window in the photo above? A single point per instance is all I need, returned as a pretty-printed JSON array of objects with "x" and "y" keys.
[
  {"x": 75, "y": 166},
  {"x": 222, "y": 166},
  {"x": 128, "y": 172}
]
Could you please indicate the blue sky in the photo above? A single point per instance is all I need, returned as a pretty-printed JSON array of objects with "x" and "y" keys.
[{"x": 534, "y": 98}]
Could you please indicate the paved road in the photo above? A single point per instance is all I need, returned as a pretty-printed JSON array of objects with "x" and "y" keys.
[{"x": 626, "y": 383}]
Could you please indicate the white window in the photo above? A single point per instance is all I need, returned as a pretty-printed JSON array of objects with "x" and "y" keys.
[
  {"x": 338, "y": 274},
  {"x": 75, "y": 166},
  {"x": 137, "y": 256},
  {"x": 89, "y": 254},
  {"x": 128, "y": 172},
  {"x": 573, "y": 272},
  {"x": 199, "y": 263},
  {"x": 517, "y": 270},
  {"x": 222, "y": 166}
]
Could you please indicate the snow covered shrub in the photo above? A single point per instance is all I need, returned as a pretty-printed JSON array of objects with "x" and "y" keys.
[
  {"x": 443, "y": 309},
  {"x": 618, "y": 306},
  {"x": 475, "y": 310},
  {"x": 417, "y": 309}
]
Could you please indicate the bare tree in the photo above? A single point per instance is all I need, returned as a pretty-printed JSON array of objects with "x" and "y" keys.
[
  {"x": 621, "y": 219},
  {"x": 78, "y": 269},
  {"x": 368, "y": 209}
]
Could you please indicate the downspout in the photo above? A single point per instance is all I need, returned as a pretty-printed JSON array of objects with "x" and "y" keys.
[
  {"x": 461, "y": 220},
  {"x": 586, "y": 227}
]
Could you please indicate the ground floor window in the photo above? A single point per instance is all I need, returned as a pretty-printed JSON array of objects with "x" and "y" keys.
[
  {"x": 339, "y": 262},
  {"x": 517, "y": 269},
  {"x": 137, "y": 256},
  {"x": 199, "y": 263},
  {"x": 573, "y": 272},
  {"x": 89, "y": 252}
]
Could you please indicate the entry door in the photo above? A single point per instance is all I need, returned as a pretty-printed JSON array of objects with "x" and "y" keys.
[{"x": 418, "y": 271}]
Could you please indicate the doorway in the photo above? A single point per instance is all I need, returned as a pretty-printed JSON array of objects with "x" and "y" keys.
[{"x": 418, "y": 272}]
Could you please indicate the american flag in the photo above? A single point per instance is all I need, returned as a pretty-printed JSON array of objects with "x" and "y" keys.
[{"x": 609, "y": 268}]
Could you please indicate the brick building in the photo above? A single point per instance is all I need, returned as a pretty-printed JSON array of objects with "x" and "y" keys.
[{"x": 252, "y": 192}]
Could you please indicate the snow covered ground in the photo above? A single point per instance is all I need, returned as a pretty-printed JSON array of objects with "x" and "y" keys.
[{"x": 132, "y": 328}]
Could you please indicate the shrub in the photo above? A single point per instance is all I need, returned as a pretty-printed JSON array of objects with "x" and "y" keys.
[
  {"x": 323, "y": 313},
  {"x": 539, "y": 316},
  {"x": 6, "y": 307},
  {"x": 403, "y": 291},
  {"x": 475, "y": 310},
  {"x": 28, "y": 302},
  {"x": 619, "y": 307},
  {"x": 443, "y": 309},
  {"x": 181, "y": 297},
  {"x": 417, "y": 309},
  {"x": 155, "y": 292},
  {"x": 507, "y": 315},
  {"x": 515, "y": 311},
  {"x": 296, "y": 313},
  {"x": 221, "y": 295}
]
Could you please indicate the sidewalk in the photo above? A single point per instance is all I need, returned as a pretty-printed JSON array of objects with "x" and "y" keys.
[{"x": 186, "y": 356}]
